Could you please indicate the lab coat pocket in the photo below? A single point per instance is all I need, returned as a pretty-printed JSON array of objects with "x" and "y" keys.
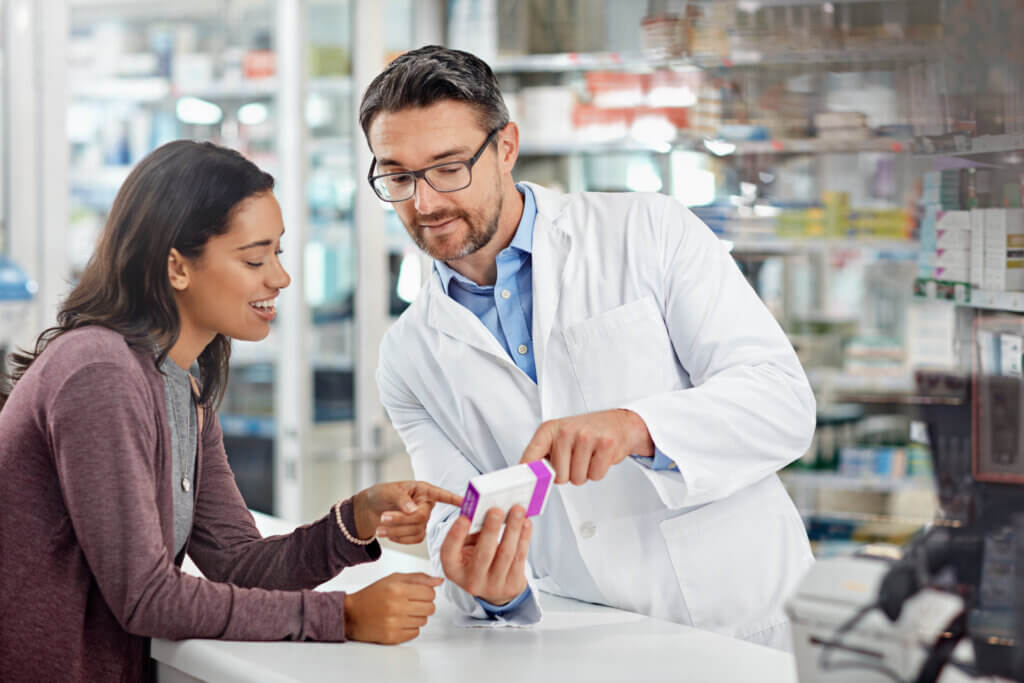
[
  {"x": 622, "y": 355},
  {"x": 730, "y": 559}
]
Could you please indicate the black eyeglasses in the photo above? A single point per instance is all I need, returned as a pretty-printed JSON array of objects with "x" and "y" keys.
[{"x": 450, "y": 176}]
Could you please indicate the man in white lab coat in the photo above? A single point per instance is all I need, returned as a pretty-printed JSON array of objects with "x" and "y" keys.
[{"x": 610, "y": 333}]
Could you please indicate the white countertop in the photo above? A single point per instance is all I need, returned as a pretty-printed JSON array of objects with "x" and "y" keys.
[{"x": 574, "y": 642}]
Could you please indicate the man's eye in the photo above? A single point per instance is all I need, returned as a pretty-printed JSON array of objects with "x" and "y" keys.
[
  {"x": 448, "y": 170},
  {"x": 403, "y": 179}
]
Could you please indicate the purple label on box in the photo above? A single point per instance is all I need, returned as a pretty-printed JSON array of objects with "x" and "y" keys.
[
  {"x": 469, "y": 502},
  {"x": 539, "y": 491}
]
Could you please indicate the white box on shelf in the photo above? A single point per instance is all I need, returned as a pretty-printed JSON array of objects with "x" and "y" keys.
[
  {"x": 951, "y": 258},
  {"x": 952, "y": 239},
  {"x": 1011, "y": 346},
  {"x": 953, "y": 220},
  {"x": 952, "y": 274},
  {"x": 977, "y": 246},
  {"x": 1001, "y": 225}
]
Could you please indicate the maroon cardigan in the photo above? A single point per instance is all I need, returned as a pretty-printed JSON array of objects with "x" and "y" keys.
[{"x": 87, "y": 575}]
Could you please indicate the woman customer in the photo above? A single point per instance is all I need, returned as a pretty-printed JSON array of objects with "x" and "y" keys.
[{"x": 112, "y": 462}]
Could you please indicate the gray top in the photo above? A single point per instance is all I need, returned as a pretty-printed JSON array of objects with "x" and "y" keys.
[{"x": 184, "y": 424}]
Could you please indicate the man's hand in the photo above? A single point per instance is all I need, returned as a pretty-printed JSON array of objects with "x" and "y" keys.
[
  {"x": 489, "y": 565},
  {"x": 398, "y": 510},
  {"x": 391, "y": 610},
  {"x": 584, "y": 447}
]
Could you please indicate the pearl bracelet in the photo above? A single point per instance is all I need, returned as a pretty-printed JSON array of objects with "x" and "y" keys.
[{"x": 341, "y": 525}]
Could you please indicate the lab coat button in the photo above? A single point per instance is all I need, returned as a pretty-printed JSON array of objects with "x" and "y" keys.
[
  {"x": 588, "y": 529},
  {"x": 522, "y": 349},
  {"x": 505, "y": 294}
]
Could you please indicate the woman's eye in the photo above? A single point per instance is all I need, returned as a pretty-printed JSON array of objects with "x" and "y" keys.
[{"x": 254, "y": 265}]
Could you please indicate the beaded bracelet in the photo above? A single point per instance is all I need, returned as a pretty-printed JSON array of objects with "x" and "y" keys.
[{"x": 341, "y": 525}]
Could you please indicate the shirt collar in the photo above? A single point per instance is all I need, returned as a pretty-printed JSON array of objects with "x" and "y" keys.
[{"x": 522, "y": 241}]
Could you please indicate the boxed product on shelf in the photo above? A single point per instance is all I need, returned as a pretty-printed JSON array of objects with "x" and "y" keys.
[
  {"x": 615, "y": 88},
  {"x": 956, "y": 239},
  {"x": 669, "y": 35},
  {"x": 952, "y": 258},
  {"x": 545, "y": 113},
  {"x": 665, "y": 88},
  {"x": 841, "y": 126},
  {"x": 894, "y": 224},
  {"x": 600, "y": 124},
  {"x": 1003, "y": 250},
  {"x": 1011, "y": 346}
]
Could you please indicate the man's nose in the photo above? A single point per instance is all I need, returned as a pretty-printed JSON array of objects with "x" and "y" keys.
[{"x": 426, "y": 198}]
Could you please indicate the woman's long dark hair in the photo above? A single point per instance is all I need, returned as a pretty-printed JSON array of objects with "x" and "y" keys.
[{"x": 179, "y": 196}]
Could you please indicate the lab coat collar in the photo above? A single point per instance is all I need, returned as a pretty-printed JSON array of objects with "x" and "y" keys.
[{"x": 551, "y": 246}]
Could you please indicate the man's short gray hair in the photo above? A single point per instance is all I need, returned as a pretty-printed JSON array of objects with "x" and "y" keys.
[{"x": 430, "y": 74}]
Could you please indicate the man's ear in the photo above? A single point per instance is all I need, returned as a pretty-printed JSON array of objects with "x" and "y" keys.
[
  {"x": 178, "y": 270},
  {"x": 508, "y": 146}
]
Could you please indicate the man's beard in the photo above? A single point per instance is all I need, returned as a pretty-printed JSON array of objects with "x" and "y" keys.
[{"x": 480, "y": 231}]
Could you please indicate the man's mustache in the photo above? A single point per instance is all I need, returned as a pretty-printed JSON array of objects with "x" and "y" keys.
[{"x": 436, "y": 218}]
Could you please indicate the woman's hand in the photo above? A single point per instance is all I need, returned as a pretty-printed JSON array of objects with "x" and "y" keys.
[
  {"x": 392, "y": 610},
  {"x": 398, "y": 510}
]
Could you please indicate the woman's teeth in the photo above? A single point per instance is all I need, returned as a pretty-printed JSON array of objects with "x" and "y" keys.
[{"x": 267, "y": 305}]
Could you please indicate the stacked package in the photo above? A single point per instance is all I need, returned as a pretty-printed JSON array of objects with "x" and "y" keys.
[
  {"x": 942, "y": 188},
  {"x": 997, "y": 263},
  {"x": 951, "y": 255}
]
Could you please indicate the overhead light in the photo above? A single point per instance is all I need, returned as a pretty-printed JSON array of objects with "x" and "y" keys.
[
  {"x": 252, "y": 114},
  {"x": 1014, "y": 158},
  {"x": 719, "y": 148},
  {"x": 199, "y": 112}
]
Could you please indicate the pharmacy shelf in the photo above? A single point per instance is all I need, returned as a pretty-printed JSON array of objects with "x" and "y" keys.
[
  {"x": 104, "y": 176},
  {"x": 156, "y": 88},
  {"x": 722, "y": 147},
  {"x": 964, "y": 145},
  {"x": 786, "y": 246},
  {"x": 865, "y": 517},
  {"x": 615, "y": 61},
  {"x": 151, "y": 89},
  {"x": 843, "y": 482},
  {"x": 794, "y": 3},
  {"x": 969, "y": 297},
  {"x": 335, "y": 85},
  {"x": 262, "y": 88}
]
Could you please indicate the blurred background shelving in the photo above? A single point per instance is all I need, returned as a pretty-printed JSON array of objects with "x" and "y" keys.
[{"x": 823, "y": 142}]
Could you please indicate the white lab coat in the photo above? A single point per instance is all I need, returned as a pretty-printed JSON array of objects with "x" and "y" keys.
[{"x": 636, "y": 305}]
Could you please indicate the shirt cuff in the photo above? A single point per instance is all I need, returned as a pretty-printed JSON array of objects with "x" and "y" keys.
[
  {"x": 658, "y": 461},
  {"x": 495, "y": 610}
]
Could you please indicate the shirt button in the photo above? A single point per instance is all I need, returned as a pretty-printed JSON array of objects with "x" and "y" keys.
[
  {"x": 587, "y": 530},
  {"x": 522, "y": 349},
  {"x": 505, "y": 294}
]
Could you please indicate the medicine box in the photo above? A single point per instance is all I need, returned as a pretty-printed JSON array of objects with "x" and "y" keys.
[{"x": 526, "y": 484}]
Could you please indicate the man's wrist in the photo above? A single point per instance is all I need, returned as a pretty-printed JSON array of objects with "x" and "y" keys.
[
  {"x": 641, "y": 440},
  {"x": 493, "y": 609}
]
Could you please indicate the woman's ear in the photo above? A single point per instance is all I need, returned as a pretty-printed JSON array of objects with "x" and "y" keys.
[{"x": 178, "y": 271}]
